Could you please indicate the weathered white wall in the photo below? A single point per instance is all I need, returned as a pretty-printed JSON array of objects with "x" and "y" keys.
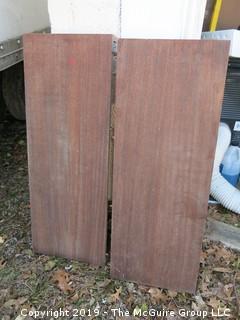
[
  {"x": 21, "y": 16},
  {"x": 160, "y": 19},
  {"x": 164, "y": 19},
  {"x": 85, "y": 16}
]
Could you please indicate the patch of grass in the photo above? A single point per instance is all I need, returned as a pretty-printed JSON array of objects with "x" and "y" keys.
[{"x": 8, "y": 275}]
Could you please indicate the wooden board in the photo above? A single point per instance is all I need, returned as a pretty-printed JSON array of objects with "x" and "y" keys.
[
  {"x": 168, "y": 103},
  {"x": 223, "y": 232},
  {"x": 68, "y": 88}
]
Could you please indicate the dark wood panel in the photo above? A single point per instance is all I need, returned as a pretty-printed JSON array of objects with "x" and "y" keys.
[
  {"x": 168, "y": 103},
  {"x": 68, "y": 88}
]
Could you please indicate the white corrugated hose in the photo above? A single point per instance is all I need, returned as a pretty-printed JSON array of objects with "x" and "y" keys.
[{"x": 221, "y": 189}]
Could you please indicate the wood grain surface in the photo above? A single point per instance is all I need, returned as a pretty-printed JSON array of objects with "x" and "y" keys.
[
  {"x": 68, "y": 89},
  {"x": 168, "y": 102}
]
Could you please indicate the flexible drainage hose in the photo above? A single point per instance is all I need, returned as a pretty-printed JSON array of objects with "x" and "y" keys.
[{"x": 221, "y": 189}]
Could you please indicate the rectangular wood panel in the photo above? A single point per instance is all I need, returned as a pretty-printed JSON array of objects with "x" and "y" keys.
[
  {"x": 68, "y": 88},
  {"x": 168, "y": 103}
]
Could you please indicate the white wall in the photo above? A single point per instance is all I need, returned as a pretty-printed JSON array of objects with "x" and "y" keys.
[
  {"x": 167, "y": 19},
  {"x": 85, "y": 16},
  {"x": 21, "y": 16},
  {"x": 164, "y": 19}
]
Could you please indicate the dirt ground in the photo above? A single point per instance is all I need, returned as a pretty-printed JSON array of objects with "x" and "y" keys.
[{"x": 30, "y": 283}]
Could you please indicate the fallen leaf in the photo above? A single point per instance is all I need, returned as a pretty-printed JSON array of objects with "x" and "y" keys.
[
  {"x": 26, "y": 274},
  {"x": 75, "y": 297},
  {"x": 62, "y": 278},
  {"x": 84, "y": 292},
  {"x": 92, "y": 301},
  {"x": 238, "y": 276},
  {"x": 50, "y": 265},
  {"x": 228, "y": 290},
  {"x": 157, "y": 295},
  {"x": 116, "y": 296},
  {"x": 206, "y": 276},
  {"x": 15, "y": 302},
  {"x": 130, "y": 300},
  {"x": 225, "y": 254},
  {"x": 204, "y": 288},
  {"x": 199, "y": 301},
  {"x": 211, "y": 251},
  {"x": 20, "y": 317},
  {"x": 2, "y": 240},
  {"x": 203, "y": 256},
  {"x": 4, "y": 293},
  {"x": 195, "y": 307},
  {"x": 171, "y": 294},
  {"x": 214, "y": 303},
  {"x": 143, "y": 288}
]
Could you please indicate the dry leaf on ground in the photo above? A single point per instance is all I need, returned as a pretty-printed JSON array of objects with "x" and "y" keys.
[
  {"x": 2, "y": 240},
  {"x": 75, "y": 297},
  {"x": 228, "y": 290},
  {"x": 214, "y": 303},
  {"x": 20, "y": 317},
  {"x": 171, "y": 294},
  {"x": 199, "y": 302},
  {"x": 116, "y": 296},
  {"x": 62, "y": 278},
  {"x": 157, "y": 295},
  {"x": 15, "y": 302},
  {"x": 224, "y": 254}
]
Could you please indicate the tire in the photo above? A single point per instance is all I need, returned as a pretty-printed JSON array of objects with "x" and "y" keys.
[
  {"x": 3, "y": 108},
  {"x": 13, "y": 90}
]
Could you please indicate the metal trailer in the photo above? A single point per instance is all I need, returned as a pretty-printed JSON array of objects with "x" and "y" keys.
[{"x": 17, "y": 18}]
